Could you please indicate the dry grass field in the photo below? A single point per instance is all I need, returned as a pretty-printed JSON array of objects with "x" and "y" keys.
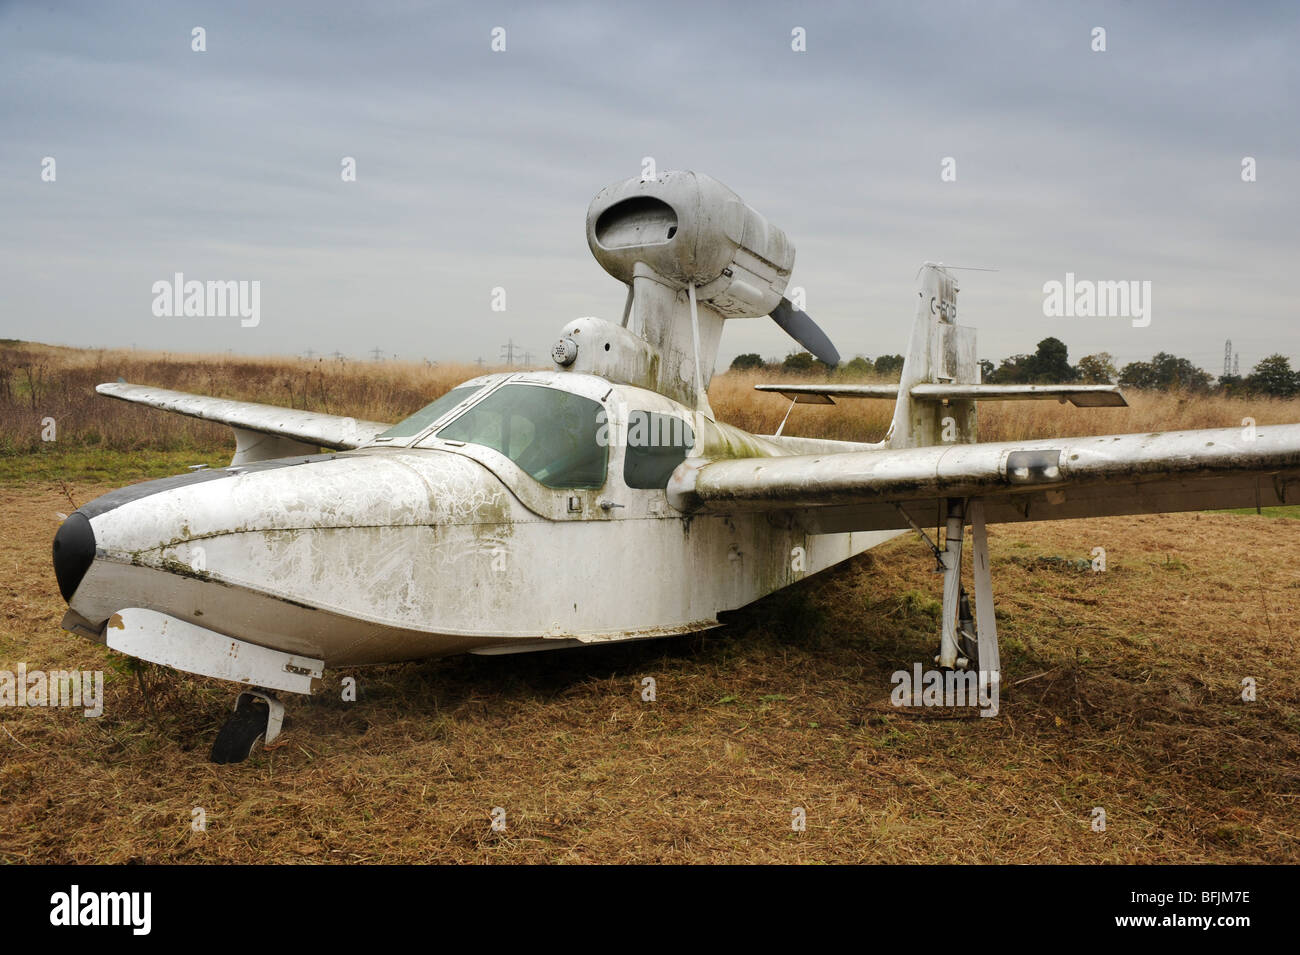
[{"x": 1122, "y": 689}]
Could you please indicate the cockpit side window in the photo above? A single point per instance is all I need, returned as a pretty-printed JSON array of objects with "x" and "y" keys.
[
  {"x": 656, "y": 444},
  {"x": 550, "y": 434},
  {"x": 409, "y": 427}
]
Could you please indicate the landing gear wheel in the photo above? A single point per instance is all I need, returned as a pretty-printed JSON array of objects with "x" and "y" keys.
[{"x": 242, "y": 730}]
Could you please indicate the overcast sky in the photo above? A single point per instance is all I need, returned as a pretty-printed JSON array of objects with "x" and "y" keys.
[{"x": 475, "y": 168}]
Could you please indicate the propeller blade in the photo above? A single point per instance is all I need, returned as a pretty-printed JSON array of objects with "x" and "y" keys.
[{"x": 804, "y": 330}]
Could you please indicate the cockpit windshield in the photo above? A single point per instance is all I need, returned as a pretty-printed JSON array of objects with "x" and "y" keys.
[
  {"x": 409, "y": 427},
  {"x": 551, "y": 434}
]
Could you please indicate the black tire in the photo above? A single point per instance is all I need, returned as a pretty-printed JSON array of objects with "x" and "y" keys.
[{"x": 241, "y": 732}]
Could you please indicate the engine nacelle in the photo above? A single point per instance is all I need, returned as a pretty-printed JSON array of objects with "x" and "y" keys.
[{"x": 688, "y": 228}]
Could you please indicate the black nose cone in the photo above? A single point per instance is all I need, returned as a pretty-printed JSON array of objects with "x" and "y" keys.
[{"x": 74, "y": 550}]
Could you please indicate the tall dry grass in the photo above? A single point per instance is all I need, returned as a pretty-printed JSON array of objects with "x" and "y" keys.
[{"x": 41, "y": 381}]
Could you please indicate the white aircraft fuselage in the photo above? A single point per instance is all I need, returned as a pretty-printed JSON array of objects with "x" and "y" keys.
[{"x": 420, "y": 545}]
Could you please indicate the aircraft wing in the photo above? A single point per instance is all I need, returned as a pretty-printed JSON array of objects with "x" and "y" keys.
[
  {"x": 262, "y": 431},
  {"x": 1038, "y": 480}
]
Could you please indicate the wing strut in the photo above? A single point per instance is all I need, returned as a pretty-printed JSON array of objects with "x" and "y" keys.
[
  {"x": 968, "y": 642},
  {"x": 953, "y": 592},
  {"x": 793, "y": 402}
]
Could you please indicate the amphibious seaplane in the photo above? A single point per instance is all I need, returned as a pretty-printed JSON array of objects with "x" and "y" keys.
[{"x": 601, "y": 500}]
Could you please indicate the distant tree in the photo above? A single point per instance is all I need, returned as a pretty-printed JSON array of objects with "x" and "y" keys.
[
  {"x": 801, "y": 361},
  {"x": 1273, "y": 377},
  {"x": 987, "y": 369},
  {"x": 1049, "y": 364},
  {"x": 889, "y": 366},
  {"x": 747, "y": 362},
  {"x": 857, "y": 367},
  {"x": 1232, "y": 385},
  {"x": 1098, "y": 369},
  {"x": 1138, "y": 374},
  {"x": 1165, "y": 371},
  {"x": 1013, "y": 371},
  {"x": 1176, "y": 372}
]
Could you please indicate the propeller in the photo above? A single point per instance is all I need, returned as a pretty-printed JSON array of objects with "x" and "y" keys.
[{"x": 804, "y": 330}]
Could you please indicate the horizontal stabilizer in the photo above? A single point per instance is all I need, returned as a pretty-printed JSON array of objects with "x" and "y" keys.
[
  {"x": 1081, "y": 396},
  {"x": 822, "y": 394}
]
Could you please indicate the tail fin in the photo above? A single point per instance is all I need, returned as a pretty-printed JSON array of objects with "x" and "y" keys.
[
  {"x": 940, "y": 383},
  {"x": 939, "y": 352}
]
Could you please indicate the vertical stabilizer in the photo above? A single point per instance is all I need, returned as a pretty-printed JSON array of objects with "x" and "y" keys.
[{"x": 940, "y": 352}]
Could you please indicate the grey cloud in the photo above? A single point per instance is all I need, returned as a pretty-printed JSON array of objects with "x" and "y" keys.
[{"x": 475, "y": 168}]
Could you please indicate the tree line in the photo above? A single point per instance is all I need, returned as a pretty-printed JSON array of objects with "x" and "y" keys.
[
  {"x": 1050, "y": 364},
  {"x": 889, "y": 366}
]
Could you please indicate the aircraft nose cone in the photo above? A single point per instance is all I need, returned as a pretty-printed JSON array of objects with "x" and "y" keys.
[{"x": 74, "y": 550}]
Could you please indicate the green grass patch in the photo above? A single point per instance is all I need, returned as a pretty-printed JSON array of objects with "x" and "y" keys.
[
  {"x": 103, "y": 466},
  {"x": 1291, "y": 511}
]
